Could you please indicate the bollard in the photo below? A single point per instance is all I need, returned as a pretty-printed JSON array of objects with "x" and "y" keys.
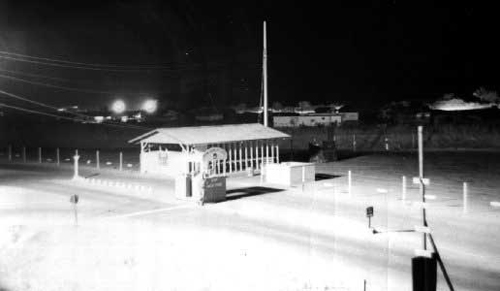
[
  {"x": 57, "y": 156},
  {"x": 121, "y": 161},
  {"x": 39, "y": 155},
  {"x": 465, "y": 197},
  {"x": 97, "y": 159},
  {"x": 349, "y": 182},
  {"x": 9, "y": 152},
  {"x": 403, "y": 189},
  {"x": 76, "y": 157},
  {"x": 24, "y": 154}
]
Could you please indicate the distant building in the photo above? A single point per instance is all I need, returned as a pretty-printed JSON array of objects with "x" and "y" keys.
[{"x": 317, "y": 119}]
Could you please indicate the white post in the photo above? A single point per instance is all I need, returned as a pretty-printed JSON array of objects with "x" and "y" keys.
[
  {"x": 251, "y": 154},
  {"x": 267, "y": 151},
  {"x": 240, "y": 158},
  {"x": 9, "y": 152},
  {"x": 24, "y": 154},
  {"x": 264, "y": 74},
  {"x": 97, "y": 159},
  {"x": 403, "y": 190},
  {"x": 235, "y": 154},
  {"x": 76, "y": 157},
  {"x": 246, "y": 155},
  {"x": 387, "y": 144},
  {"x": 230, "y": 158},
  {"x": 257, "y": 165},
  {"x": 39, "y": 155},
  {"x": 57, "y": 157},
  {"x": 421, "y": 177},
  {"x": 224, "y": 168},
  {"x": 349, "y": 182},
  {"x": 465, "y": 197},
  {"x": 277, "y": 153},
  {"x": 121, "y": 161}
]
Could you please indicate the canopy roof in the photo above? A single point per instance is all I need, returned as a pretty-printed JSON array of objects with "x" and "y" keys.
[{"x": 210, "y": 134}]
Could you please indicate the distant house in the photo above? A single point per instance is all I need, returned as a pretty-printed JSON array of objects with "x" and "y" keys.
[{"x": 317, "y": 119}]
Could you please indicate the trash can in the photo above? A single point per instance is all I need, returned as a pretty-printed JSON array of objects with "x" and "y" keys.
[
  {"x": 183, "y": 186},
  {"x": 424, "y": 271}
]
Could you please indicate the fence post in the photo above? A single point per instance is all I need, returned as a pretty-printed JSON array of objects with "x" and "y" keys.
[
  {"x": 121, "y": 161},
  {"x": 39, "y": 155},
  {"x": 57, "y": 156},
  {"x": 97, "y": 159},
  {"x": 465, "y": 190}
]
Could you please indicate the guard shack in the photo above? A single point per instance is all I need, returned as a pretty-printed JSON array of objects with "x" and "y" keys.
[{"x": 205, "y": 154}]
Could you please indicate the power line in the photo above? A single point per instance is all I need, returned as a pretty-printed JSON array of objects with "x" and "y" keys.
[
  {"x": 35, "y": 75},
  {"x": 74, "y": 113},
  {"x": 147, "y": 66},
  {"x": 67, "y": 118},
  {"x": 83, "y": 90},
  {"x": 80, "y": 67}
]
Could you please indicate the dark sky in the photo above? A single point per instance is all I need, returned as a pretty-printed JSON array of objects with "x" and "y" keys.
[{"x": 323, "y": 51}]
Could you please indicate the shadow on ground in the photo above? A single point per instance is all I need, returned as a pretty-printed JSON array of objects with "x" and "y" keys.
[{"x": 239, "y": 193}]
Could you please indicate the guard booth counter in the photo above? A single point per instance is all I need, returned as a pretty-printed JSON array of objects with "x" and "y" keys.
[{"x": 208, "y": 175}]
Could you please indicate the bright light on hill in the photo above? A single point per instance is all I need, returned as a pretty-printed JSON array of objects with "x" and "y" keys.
[
  {"x": 150, "y": 105},
  {"x": 118, "y": 107}
]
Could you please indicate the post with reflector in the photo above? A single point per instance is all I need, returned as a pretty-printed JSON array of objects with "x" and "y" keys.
[{"x": 74, "y": 200}]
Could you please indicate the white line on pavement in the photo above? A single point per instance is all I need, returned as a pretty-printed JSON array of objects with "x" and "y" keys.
[{"x": 152, "y": 211}]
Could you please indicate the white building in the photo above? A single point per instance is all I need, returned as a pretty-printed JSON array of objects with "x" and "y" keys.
[{"x": 183, "y": 150}]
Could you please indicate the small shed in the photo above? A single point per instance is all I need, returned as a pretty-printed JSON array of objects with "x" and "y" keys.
[{"x": 184, "y": 150}]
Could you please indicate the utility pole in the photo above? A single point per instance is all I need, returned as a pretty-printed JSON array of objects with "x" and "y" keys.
[{"x": 264, "y": 74}]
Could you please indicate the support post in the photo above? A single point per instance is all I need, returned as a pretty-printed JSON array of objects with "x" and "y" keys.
[
  {"x": 240, "y": 158},
  {"x": 97, "y": 162},
  {"x": 277, "y": 153},
  {"x": 246, "y": 155},
  {"x": 76, "y": 157},
  {"x": 251, "y": 154},
  {"x": 24, "y": 154},
  {"x": 257, "y": 164},
  {"x": 421, "y": 176},
  {"x": 58, "y": 159},
  {"x": 121, "y": 161},
  {"x": 267, "y": 151},
  {"x": 235, "y": 153},
  {"x": 39, "y": 155},
  {"x": 264, "y": 74},
  {"x": 272, "y": 152},
  {"x": 230, "y": 158},
  {"x": 262, "y": 154},
  {"x": 465, "y": 192}
]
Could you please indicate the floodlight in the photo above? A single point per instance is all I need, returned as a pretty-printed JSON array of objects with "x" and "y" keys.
[
  {"x": 118, "y": 106},
  {"x": 150, "y": 105}
]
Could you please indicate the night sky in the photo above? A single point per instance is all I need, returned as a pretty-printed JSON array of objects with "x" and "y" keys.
[{"x": 209, "y": 52}]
